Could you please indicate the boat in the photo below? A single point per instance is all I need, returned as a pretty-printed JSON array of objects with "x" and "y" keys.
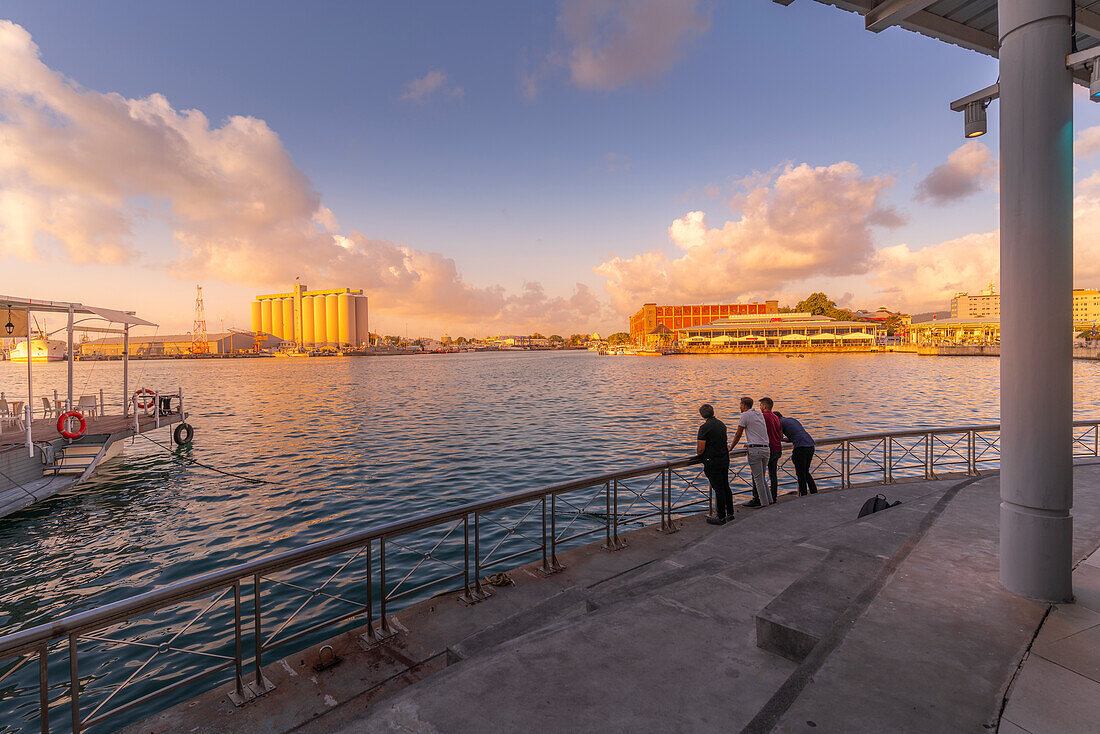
[
  {"x": 43, "y": 349},
  {"x": 41, "y": 456},
  {"x": 648, "y": 352}
]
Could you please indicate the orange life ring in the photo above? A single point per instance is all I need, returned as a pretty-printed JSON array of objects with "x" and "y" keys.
[
  {"x": 63, "y": 420},
  {"x": 141, "y": 402}
]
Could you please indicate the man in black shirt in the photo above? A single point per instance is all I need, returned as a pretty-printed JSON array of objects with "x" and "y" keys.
[{"x": 712, "y": 447}]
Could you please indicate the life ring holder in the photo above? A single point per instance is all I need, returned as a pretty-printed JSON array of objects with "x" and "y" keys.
[
  {"x": 63, "y": 423},
  {"x": 145, "y": 398}
]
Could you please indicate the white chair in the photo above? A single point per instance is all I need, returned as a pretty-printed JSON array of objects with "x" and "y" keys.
[
  {"x": 87, "y": 405},
  {"x": 48, "y": 409}
]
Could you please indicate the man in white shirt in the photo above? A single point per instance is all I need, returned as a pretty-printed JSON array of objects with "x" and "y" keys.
[{"x": 751, "y": 423}]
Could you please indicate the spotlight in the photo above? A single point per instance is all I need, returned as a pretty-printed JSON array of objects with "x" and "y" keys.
[
  {"x": 974, "y": 127},
  {"x": 1094, "y": 82}
]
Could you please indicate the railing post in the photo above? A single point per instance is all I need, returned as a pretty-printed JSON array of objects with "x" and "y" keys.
[
  {"x": 1096, "y": 439},
  {"x": 845, "y": 468},
  {"x": 615, "y": 515},
  {"x": 481, "y": 593},
  {"x": 545, "y": 559},
  {"x": 370, "y": 593},
  {"x": 43, "y": 690},
  {"x": 74, "y": 684},
  {"x": 607, "y": 515},
  {"x": 928, "y": 460},
  {"x": 890, "y": 459},
  {"x": 238, "y": 644},
  {"x": 972, "y": 462},
  {"x": 384, "y": 624},
  {"x": 256, "y": 619},
  {"x": 554, "y": 534},
  {"x": 885, "y": 458}
]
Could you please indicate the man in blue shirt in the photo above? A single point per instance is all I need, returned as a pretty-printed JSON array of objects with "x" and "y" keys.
[{"x": 802, "y": 455}]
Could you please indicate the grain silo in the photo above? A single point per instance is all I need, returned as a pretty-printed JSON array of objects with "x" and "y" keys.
[
  {"x": 362, "y": 324},
  {"x": 276, "y": 317},
  {"x": 288, "y": 319},
  {"x": 320, "y": 333},
  {"x": 330, "y": 317},
  {"x": 332, "y": 320},
  {"x": 265, "y": 316},
  {"x": 307, "y": 320}
]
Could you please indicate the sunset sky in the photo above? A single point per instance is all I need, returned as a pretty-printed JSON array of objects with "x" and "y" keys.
[{"x": 495, "y": 166}]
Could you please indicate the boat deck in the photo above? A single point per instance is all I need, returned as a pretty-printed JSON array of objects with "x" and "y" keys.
[{"x": 45, "y": 429}]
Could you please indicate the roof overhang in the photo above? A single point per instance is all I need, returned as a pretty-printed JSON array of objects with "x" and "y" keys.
[
  {"x": 970, "y": 24},
  {"x": 126, "y": 318}
]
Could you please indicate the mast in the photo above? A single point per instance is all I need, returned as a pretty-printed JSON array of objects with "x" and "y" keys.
[{"x": 199, "y": 343}]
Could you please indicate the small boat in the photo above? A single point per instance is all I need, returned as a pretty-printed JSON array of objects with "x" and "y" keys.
[{"x": 649, "y": 352}]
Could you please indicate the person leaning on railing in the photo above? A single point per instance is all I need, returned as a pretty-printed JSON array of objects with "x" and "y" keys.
[
  {"x": 711, "y": 447},
  {"x": 802, "y": 455}
]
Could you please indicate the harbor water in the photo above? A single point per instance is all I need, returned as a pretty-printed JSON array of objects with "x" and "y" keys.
[{"x": 350, "y": 443}]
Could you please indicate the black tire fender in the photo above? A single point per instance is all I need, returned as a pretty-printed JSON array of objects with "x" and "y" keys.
[{"x": 183, "y": 434}]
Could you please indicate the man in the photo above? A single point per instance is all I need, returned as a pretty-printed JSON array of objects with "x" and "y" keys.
[
  {"x": 802, "y": 454},
  {"x": 711, "y": 446},
  {"x": 775, "y": 444},
  {"x": 752, "y": 425}
]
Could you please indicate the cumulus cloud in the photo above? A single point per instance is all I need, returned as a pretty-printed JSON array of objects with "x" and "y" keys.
[
  {"x": 796, "y": 223},
  {"x": 925, "y": 279},
  {"x": 434, "y": 82},
  {"x": 615, "y": 42},
  {"x": 968, "y": 169},
  {"x": 78, "y": 168},
  {"x": 1087, "y": 142}
]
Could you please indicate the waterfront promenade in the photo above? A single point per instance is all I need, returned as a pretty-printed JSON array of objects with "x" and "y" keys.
[{"x": 915, "y": 634}]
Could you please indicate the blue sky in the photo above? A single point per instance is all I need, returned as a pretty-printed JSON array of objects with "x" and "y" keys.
[{"x": 516, "y": 188}]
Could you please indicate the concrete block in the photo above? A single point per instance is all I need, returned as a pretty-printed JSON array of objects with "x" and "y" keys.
[
  {"x": 1079, "y": 652},
  {"x": 796, "y": 620}
]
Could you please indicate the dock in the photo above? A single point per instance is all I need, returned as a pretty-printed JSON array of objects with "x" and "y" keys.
[{"x": 912, "y": 632}]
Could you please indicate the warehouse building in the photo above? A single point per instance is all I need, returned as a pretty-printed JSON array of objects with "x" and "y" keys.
[
  {"x": 327, "y": 318},
  {"x": 674, "y": 318},
  {"x": 178, "y": 345}
]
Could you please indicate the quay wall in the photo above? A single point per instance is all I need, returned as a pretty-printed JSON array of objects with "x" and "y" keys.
[{"x": 993, "y": 350}]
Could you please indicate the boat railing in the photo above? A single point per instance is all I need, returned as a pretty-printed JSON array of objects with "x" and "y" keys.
[{"x": 143, "y": 653}]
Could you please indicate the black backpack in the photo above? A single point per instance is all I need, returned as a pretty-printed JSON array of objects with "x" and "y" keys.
[{"x": 876, "y": 503}]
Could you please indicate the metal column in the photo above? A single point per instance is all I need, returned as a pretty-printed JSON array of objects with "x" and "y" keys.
[
  {"x": 69, "y": 357},
  {"x": 1036, "y": 301},
  {"x": 126, "y": 371}
]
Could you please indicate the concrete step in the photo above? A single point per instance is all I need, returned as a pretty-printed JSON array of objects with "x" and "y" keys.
[
  {"x": 796, "y": 620},
  {"x": 568, "y": 603}
]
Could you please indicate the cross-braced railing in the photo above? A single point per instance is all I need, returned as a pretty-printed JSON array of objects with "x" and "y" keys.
[{"x": 141, "y": 654}]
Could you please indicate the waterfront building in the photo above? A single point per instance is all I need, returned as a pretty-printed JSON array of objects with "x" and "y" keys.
[
  {"x": 333, "y": 317},
  {"x": 787, "y": 331},
  {"x": 178, "y": 345},
  {"x": 1086, "y": 306},
  {"x": 954, "y": 331},
  {"x": 650, "y": 316},
  {"x": 986, "y": 305}
]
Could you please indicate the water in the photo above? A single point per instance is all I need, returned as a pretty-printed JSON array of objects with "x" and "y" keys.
[{"x": 354, "y": 443}]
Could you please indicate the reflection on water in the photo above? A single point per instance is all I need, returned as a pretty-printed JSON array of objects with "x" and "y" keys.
[{"x": 357, "y": 442}]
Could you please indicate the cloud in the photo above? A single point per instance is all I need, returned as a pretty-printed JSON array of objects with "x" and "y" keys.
[
  {"x": 78, "y": 169},
  {"x": 616, "y": 162},
  {"x": 434, "y": 82},
  {"x": 967, "y": 171},
  {"x": 925, "y": 279},
  {"x": 795, "y": 223},
  {"x": 1087, "y": 142},
  {"x": 615, "y": 42}
]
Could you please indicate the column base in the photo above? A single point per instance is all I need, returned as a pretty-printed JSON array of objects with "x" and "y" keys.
[{"x": 1037, "y": 553}]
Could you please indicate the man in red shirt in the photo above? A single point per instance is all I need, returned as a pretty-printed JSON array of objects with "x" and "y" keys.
[{"x": 775, "y": 443}]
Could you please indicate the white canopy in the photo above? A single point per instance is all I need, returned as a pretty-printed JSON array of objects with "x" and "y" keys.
[
  {"x": 794, "y": 338},
  {"x": 826, "y": 335},
  {"x": 724, "y": 339},
  {"x": 857, "y": 335}
]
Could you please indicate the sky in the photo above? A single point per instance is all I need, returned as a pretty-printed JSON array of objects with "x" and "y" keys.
[{"x": 495, "y": 167}]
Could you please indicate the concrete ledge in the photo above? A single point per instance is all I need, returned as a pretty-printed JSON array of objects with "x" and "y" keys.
[{"x": 796, "y": 620}]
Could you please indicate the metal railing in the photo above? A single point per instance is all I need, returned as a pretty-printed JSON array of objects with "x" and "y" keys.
[{"x": 141, "y": 654}]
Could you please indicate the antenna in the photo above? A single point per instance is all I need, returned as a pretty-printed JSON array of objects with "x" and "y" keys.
[{"x": 199, "y": 343}]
